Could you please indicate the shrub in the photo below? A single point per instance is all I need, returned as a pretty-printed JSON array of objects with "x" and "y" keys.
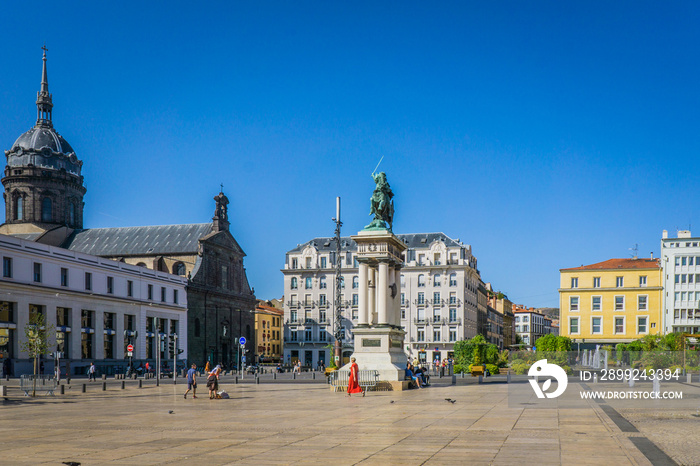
[
  {"x": 459, "y": 368},
  {"x": 492, "y": 368},
  {"x": 521, "y": 368}
]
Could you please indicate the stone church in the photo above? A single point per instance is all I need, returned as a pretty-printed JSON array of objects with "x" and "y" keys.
[{"x": 43, "y": 193}]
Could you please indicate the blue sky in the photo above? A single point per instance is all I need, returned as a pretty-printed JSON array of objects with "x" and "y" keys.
[{"x": 545, "y": 134}]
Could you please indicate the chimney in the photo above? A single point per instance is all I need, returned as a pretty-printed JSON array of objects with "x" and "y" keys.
[
  {"x": 652, "y": 255},
  {"x": 664, "y": 234}
]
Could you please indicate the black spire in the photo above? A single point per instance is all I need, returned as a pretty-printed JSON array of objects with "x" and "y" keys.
[{"x": 43, "y": 98}]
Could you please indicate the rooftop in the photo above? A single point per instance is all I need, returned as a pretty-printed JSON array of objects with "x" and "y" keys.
[{"x": 620, "y": 264}]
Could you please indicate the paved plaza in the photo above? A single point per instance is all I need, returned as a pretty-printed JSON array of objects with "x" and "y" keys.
[{"x": 301, "y": 422}]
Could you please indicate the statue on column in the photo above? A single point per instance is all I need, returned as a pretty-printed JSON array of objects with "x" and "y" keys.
[{"x": 382, "y": 205}]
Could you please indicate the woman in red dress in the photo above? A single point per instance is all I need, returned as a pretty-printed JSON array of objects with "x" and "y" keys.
[{"x": 353, "y": 385}]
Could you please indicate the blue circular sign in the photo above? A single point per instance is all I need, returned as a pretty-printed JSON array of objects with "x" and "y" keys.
[{"x": 242, "y": 340}]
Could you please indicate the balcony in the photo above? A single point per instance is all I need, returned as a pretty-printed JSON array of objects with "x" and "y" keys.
[
  {"x": 454, "y": 322},
  {"x": 420, "y": 321}
]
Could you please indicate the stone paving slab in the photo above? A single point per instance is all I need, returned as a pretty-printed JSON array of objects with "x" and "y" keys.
[{"x": 304, "y": 423}]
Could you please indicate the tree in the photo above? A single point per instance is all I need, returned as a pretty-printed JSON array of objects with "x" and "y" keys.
[{"x": 36, "y": 343}]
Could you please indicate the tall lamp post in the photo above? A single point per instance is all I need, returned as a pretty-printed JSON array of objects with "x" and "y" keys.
[{"x": 338, "y": 285}]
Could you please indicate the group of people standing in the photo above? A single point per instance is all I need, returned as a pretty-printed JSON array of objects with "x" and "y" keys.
[{"x": 212, "y": 380}]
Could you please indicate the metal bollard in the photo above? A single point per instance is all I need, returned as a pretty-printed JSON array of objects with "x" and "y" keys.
[
  {"x": 140, "y": 383},
  {"x": 104, "y": 386},
  {"x": 688, "y": 378},
  {"x": 454, "y": 380},
  {"x": 294, "y": 375},
  {"x": 274, "y": 376},
  {"x": 84, "y": 388},
  {"x": 257, "y": 380},
  {"x": 508, "y": 378},
  {"x": 236, "y": 379},
  {"x": 481, "y": 379},
  {"x": 314, "y": 376},
  {"x": 63, "y": 389}
]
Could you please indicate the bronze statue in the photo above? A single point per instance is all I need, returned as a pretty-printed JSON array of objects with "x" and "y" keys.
[{"x": 382, "y": 205}]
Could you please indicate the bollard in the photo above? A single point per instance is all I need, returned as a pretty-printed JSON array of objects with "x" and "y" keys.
[
  {"x": 104, "y": 386},
  {"x": 257, "y": 380},
  {"x": 294, "y": 376},
  {"x": 84, "y": 388},
  {"x": 688, "y": 378},
  {"x": 140, "y": 383},
  {"x": 3, "y": 390},
  {"x": 123, "y": 385},
  {"x": 236, "y": 379},
  {"x": 454, "y": 380},
  {"x": 314, "y": 376},
  {"x": 508, "y": 377},
  {"x": 274, "y": 376},
  {"x": 462, "y": 374},
  {"x": 63, "y": 389},
  {"x": 104, "y": 376},
  {"x": 481, "y": 379}
]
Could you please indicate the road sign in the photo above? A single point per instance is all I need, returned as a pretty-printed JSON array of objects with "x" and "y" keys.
[
  {"x": 242, "y": 341},
  {"x": 129, "y": 354},
  {"x": 130, "y": 348}
]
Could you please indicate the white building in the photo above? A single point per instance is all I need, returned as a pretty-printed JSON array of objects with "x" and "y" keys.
[
  {"x": 439, "y": 285},
  {"x": 530, "y": 325},
  {"x": 680, "y": 259},
  {"x": 96, "y": 306}
]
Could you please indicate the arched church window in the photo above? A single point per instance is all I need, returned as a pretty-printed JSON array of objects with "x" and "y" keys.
[
  {"x": 46, "y": 210},
  {"x": 19, "y": 208},
  {"x": 179, "y": 268},
  {"x": 71, "y": 214}
]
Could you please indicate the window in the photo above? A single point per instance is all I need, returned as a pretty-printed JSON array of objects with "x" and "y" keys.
[
  {"x": 293, "y": 335},
  {"x": 453, "y": 279},
  {"x": 322, "y": 300},
  {"x": 322, "y": 334},
  {"x": 307, "y": 299},
  {"x": 294, "y": 283},
  {"x": 322, "y": 283},
  {"x": 175, "y": 298},
  {"x": 129, "y": 288},
  {"x": 436, "y": 279},
  {"x": 596, "y": 325},
  {"x": 421, "y": 298},
  {"x": 403, "y": 281},
  {"x": 596, "y": 282},
  {"x": 86, "y": 318},
  {"x": 642, "y": 281},
  {"x": 595, "y": 303},
  {"x": 574, "y": 282},
  {"x": 150, "y": 292},
  {"x": 342, "y": 282},
  {"x": 619, "y": 325},
  {"x": 403, "y": 299},
  {"x": 619, "y": 282},
  {"x": 421, "y": 259},
  {"x": 573, "y": 303},
  {"x": 453, "y": 335},
  {"x": 37, "y": 272},
  {"x": 436, "y": 315},
  {"x": 64, "y": 276},
  {"x": 355, "y": 262},
  {"x": 453, "y": 298},
  {"x": 436, "y": 258},
  {"x": 46, "y": 210},
  {"x": 642, "y": 324},
  {"x": 295, "y": 263},
  {"x": 7, "y": 267},
  {"x": 453, "y": 315},
  {"x": 355, "y": 299},
  {"x": 308, "y": 334},
  {"x": 324, "y": 262},
  {"x": 619, "y": 303},
  {"x": 642, "y": 302},
  {"x": 421, "y": 280},
  {"x": 322, "y": 315},
  {"x": 355, "y": 282},
  {"x": 110, "y": 285},
  {"x": 573, "y": 325},
  {"x": 403, "y": 313},
  {"x": 88, "y": 281},
  {"x": 684, "y": 260},
  {"x": 420, "y": 335},
  {"x": 224, "y": 277},
  {"x": 436, "y": 335},
  {"x": 308, "y": 262},
  {"x": 19, "y": 208},
  {"x": 436, "y": 297},
  {"x": 307, "y": 283}
]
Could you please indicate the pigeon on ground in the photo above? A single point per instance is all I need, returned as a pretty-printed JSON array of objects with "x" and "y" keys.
[
  {"x": 391, "y": 401},
  {"x": 71, "y": 463},
  {"x": 171, "y": 412},
  {"x": 448, "y": 399}
]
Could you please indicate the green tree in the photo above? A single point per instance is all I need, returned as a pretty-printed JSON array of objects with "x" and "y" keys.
[{"x": 36, "y": 343}]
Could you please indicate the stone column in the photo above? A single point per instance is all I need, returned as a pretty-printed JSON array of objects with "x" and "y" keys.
[
  {"x": 382, "y": 294},
  {"x": 372, "y": 297},
  {"x": 363, "y": 317}
]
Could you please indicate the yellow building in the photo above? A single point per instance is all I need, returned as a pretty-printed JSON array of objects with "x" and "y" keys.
[
  {"x": 615, "y": 301},
  {"x": 268, "y": 332}
]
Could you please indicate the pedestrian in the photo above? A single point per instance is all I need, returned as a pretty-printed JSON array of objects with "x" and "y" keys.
[
  {"x": 354, "y": 379},
  {"x": 91, "y": 372},
  {"x": 192, "y": 381},
  {"x": 213, "y": 382},
  {"x": 207, "y": 368},
  {"x": 6, "y": 367},
  {"x": 57, "y": 373},
  {"x": 68, "y": 374}
]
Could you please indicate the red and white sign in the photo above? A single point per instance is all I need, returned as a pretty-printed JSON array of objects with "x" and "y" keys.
[{"x": 130, "y": 348}]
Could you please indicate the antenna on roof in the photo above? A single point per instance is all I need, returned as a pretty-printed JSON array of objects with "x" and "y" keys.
[{"x": 635, "y": 249}]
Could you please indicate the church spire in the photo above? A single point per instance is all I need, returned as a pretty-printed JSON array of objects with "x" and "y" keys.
[{"x": 44, "y": 103}]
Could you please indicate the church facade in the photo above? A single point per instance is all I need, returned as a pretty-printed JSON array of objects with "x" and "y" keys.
[{"x": 43, "y": 194}]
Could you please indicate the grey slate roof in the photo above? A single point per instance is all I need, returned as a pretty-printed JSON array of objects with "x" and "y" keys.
[
  {"x": 412, "y": 240},
  {"x": 134, "y": 241}
]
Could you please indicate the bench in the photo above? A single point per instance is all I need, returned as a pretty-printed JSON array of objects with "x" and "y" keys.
[
  {"x": 478, "y": 370},
  {"x": 45, "y": 383},
  {"x": 367, "y": 379}
]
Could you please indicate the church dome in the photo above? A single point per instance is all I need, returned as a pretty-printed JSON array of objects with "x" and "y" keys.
[
  {"x": 39, "y": 137},
  {"x": 42, "y": 146}
]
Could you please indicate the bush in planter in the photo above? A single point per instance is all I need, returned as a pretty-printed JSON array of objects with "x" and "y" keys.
[
  {"x": 492, "y": 368},
  {"x": 521, "y": 368}
]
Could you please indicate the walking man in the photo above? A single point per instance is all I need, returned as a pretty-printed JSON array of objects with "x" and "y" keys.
[
  {"x": 192, "y": 381},
  {"x": 91, "y": 372}
]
